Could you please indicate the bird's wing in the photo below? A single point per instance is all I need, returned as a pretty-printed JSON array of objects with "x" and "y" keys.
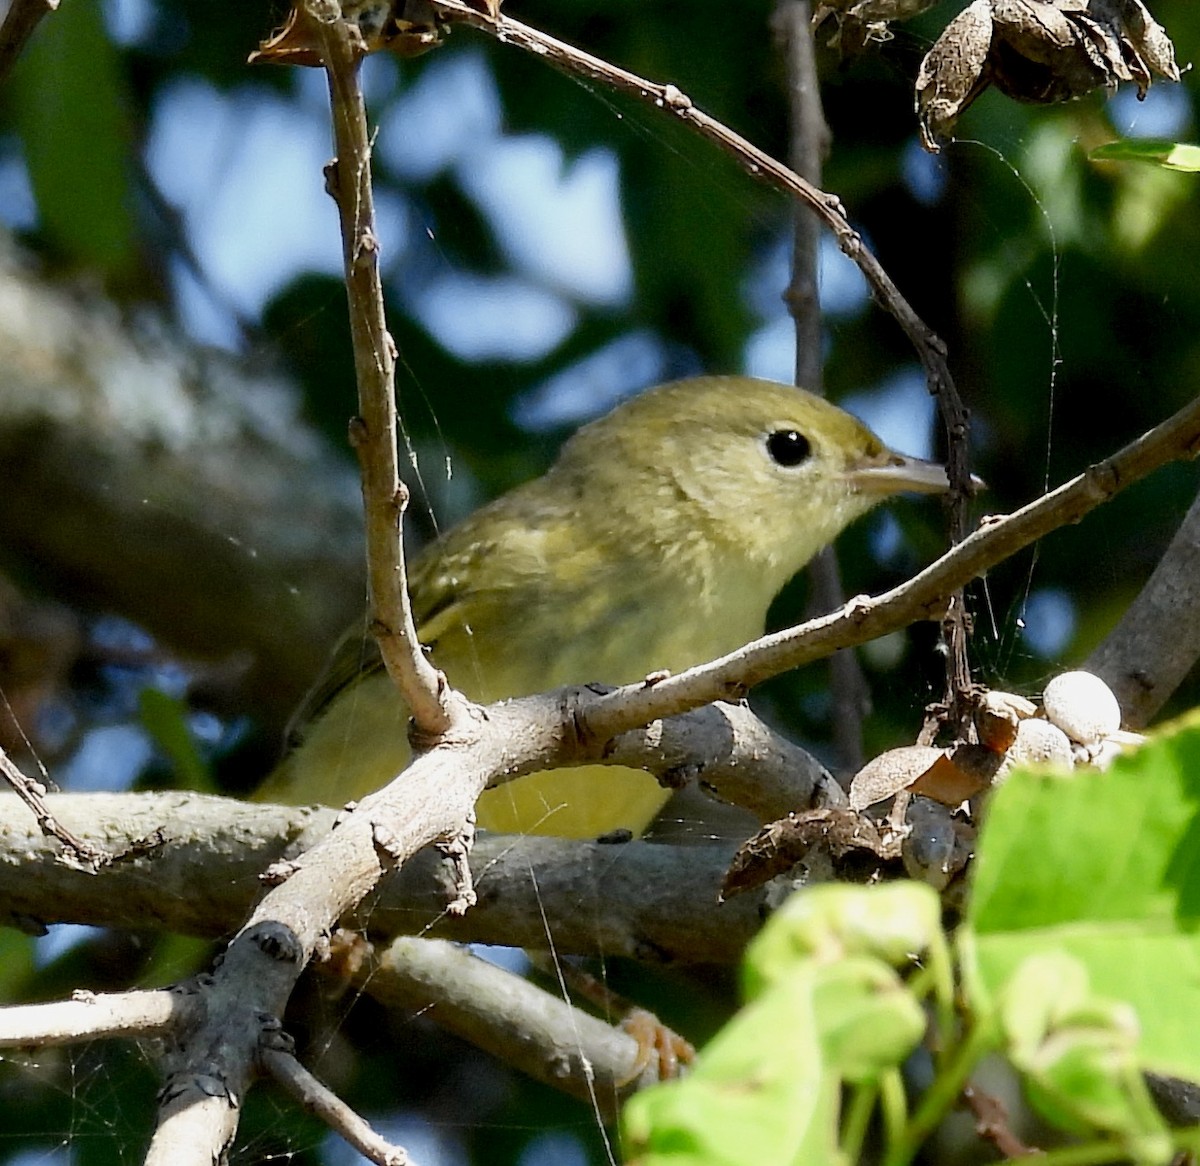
[
  {"x": 446, "y": 606},
  {"x": 355, "y": 655}
]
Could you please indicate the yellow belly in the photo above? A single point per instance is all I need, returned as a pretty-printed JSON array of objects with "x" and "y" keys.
[
  {"x": 360, "y": 744},
  {"x": 574, "y": 803}
]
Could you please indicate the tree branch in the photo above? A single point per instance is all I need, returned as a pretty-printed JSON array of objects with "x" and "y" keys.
[
  {"x": 373, "y": 433},
  {"x": 22, "y": 17},
  {"x": 807, "y": 147},
  {"x": 512, "y": 1018},
  {"x": 1157, "y": 640},
  {"x": 33, "y": 795},
  {"x": 88, "y": 1016},
  {"x": 147, "y": 476},
  {"x": 318, "y": 1099}
]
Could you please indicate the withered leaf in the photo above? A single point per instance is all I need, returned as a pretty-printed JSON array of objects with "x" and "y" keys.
[
  {"x": 954, "y": 72},
  {"x": 1038, "y": 51},
  {"x": 886, "y": 775},
  {"x": 958, "y": 775},
  {"x": 407, "y": 28},
  {"x": 853, "y": 842},
  {"x": 997, "y": 715}
]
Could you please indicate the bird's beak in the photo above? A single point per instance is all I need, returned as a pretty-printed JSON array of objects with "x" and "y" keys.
[{"x": 896, "y": 473}]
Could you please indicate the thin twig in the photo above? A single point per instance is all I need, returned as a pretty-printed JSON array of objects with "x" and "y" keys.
[
  {"x": 827, "y": 207},
  {"x": 807, "y": 147},
  {"x": 88, "y": 1016},
  {"x": 32, "y": 793},
  {"x": 320, "y": 1100},
  {"x": 992, "y": 1123},
  {"x": 373, "y": 432}
]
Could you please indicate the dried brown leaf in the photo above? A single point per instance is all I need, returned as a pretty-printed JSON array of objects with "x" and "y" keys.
[
  {"x": 886, "y": 775},
  {"x": 407, "y": 28},
  {"x": 1038, "y": 51},
  {"x": 954, "y": 72},
  {"x": 851, "y": 841},
  {"x": 958, "y": 774},
  {"x": 997, "y": 716},
  {"x": 859, "y": 23}
]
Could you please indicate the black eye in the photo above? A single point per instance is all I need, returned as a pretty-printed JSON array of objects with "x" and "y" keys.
[{"x": 788, "y": 447}]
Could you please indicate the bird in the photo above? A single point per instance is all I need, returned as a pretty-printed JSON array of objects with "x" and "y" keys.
[{"x": 656, "y": 541}]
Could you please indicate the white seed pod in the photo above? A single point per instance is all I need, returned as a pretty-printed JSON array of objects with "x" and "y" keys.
[
  {"x": 1083, "y": 706},
  {"x": 1108, "y": 750},
  {"x": 1039, "y": 743}
]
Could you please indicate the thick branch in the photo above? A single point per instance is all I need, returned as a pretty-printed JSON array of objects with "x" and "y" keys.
[
  {"x": 1157, "y": 641},
  {"x": 650, "y": 901},
  {"x": 147, "y": 476},
  {"x": 537, "y": 1033},
  {"x": 87, "y": 1016}
]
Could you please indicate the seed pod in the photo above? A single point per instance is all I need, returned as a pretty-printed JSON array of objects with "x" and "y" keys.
[
  {"x": 1083, "y": 706},
  {"x": 1040, "y": 743}
]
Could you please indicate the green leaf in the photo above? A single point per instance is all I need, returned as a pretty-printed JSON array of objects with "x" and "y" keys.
[
  {"x": 759, "y": 1093},
  {"x": 1169, "y": 155},
  {"x": 895, "y": 923},
  {"x": 72, "y": 114},
  {"x": 767, "y": 1088},
  {"x": 165, "y": 719},
  {"x": 1103, "y": 867},
  {"x": 1077, "y": 1053},
  {"x": 869, "y": 1021}
]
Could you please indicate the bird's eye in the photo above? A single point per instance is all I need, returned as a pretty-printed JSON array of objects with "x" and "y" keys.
[{"x": 788, "y": 447}]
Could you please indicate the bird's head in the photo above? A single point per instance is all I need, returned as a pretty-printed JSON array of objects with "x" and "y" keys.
[{"x": 767, "y": 471}]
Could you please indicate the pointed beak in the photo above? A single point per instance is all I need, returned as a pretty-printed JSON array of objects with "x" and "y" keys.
[{"x": 896, "y": 473}]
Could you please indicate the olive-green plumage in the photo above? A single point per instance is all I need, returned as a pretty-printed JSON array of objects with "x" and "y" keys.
[{"x": 657, "y": 540}]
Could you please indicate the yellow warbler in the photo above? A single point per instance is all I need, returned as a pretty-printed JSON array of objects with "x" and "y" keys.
[{"x": 657, "y": 540}]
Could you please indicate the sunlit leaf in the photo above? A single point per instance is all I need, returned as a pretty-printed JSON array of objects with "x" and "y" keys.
[
  {"x": 1104, "y": 867},
  {"x": 1170, "y": 155}
]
